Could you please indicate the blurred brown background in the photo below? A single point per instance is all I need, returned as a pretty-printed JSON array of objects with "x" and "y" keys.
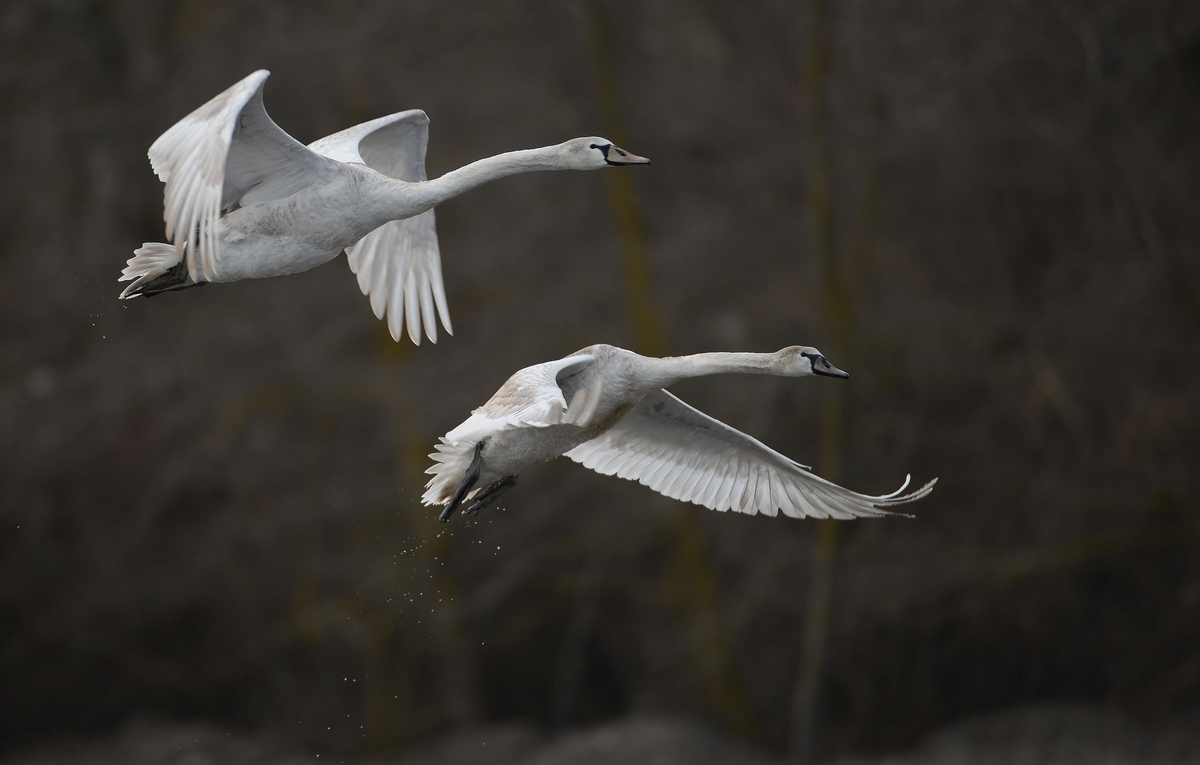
[{"x": 986, "y": 212}]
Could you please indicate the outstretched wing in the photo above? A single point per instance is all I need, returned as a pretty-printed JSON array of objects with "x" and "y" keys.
[
  {"x": 685, "y": 454},
  {"x": 226, "y": 154},
  {"x": 531, "y": 398},
  {"x": 398, "y": 264}
]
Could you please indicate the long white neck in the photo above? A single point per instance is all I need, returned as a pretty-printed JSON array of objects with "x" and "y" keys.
[
  {"x": 659, "y": 373},
  {"x": 428, "y": 194}
]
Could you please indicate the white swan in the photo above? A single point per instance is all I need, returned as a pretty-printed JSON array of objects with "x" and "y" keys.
[
  {"x": 245, "y": 200},
  {"x": 621, "y": 421}
]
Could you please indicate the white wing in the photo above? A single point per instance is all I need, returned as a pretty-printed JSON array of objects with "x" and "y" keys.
[
  {"x": 531, "y": 398},
  {"x": 398, "y": 264},
  {"x": 685, "y": 454},
  {"x": 226, "y": 154}
]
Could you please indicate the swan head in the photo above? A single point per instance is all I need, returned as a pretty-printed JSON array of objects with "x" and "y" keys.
[
  {"x": 801, "y": 360},
  {"x": 594, "y": 152}
]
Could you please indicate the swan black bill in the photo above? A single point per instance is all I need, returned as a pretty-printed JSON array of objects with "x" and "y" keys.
[
  {"x": 821, "y": 366},
  {"x": 832, "y": 371}
]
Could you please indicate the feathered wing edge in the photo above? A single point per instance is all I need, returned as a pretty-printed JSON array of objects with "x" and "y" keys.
[
  {"x": 399, "y": 267},
  {"x": 684, "y": 454},
  {"x": 190, "y": 159},
  {"x": 399, "y": 264},
  {"x": 227, "y": 153}
]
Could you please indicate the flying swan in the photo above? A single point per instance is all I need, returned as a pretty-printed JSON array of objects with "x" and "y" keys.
[
  {"x": 245, "y": 200},
  {"x": 620, "y": 421}
]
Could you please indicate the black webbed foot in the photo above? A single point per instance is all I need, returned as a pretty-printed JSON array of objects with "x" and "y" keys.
[{"x": 491, "y": 493}]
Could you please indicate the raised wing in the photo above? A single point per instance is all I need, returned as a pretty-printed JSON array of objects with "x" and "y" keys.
[
  {"x": 399, "y": 265},
  {"x": 531, "y": 398},
  {"x": 226, "y": 154},
  {"x": 685, "y": 454},
  {"x": 393, "y": 145}
]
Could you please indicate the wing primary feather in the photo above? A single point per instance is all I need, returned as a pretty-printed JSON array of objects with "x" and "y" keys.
[
  {"x": 690, "y": 473},
  {"x": 792, "y": 506},
  {"x": 666, "y": 486},
  {"x": 708, "y": 495},
  {"x": 412, "y": 309},
  {"x": 439, "y": 287},
  {"x": 734, "y": 484},
  {"x": 802, "y": 504},
  {"x": 898, "y": 492},
  {"x": 385, "y": 291},
  {"x": 633, "y": 469},
  {"x": 772, "y": 506},
  {"x": 687, "y": 472},
  {"x": 749, "y": 487},
  {"x": 836, "y": 507},
  {"x": 602, "y": 463},
  {"x": 427, "y": 317},
  {"x": 818, "y": 497},
  {"x": 762, "y": 494},
  {"x": 728, "y": 480},
  {"x": 739, "y": 486},
  {"x": 700, "y": 489},
  {"x": 178, "y": 208},
  {"x": 697, "y": 489},
  {"x": 629, "y": 467},
  {"x": 690, "y": 476},
  {"x": 778, "y": 498},
  {"x": 361, "y": 258},
  {"x": 662, "y": 465},
  {"x": 392, "y": 297},
  {"x": 616, "y": 462},
  {"x": 747, "y": 503}
]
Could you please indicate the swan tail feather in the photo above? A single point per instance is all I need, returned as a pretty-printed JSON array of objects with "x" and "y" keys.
[{"x": 450, "y": 463}]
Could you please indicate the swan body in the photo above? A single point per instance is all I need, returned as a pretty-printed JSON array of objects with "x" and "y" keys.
[
  {"x": 245, "y": 200},
  {"x": 620, "y": 421}
]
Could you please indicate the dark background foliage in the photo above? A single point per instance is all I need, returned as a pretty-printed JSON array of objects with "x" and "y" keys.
[{"x": 986, "y": 212}]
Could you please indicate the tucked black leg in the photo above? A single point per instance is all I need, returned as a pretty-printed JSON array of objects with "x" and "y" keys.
[
  {"x": 467, "y": 482},
  {"x": 490, "y": 494},
  {"x": 171, "y": 280}
]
